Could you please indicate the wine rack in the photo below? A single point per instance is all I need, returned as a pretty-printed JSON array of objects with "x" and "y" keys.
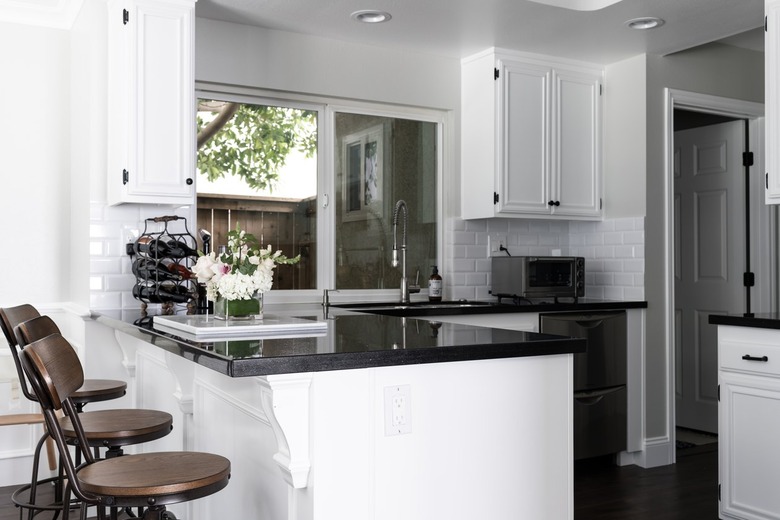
[{"x": 161, "y": 264}]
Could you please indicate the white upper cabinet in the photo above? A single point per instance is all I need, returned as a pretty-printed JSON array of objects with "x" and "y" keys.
[
  {"x": 772, "y": 100},
  {"x": 531, "y": 137},
  {"x": 151, "y": 106}
]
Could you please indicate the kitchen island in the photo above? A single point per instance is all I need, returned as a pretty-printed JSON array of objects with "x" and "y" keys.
[
  {"x": 748, "y": 415},
  {"x": 378, "y": 417}
]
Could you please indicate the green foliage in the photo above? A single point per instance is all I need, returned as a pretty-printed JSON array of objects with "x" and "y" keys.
[{"x": 255, "y": 143}]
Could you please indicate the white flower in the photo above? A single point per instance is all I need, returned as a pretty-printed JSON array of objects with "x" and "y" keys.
[
  {"x": 241, "y": 273},
  {"x": 203, "y": 268}
]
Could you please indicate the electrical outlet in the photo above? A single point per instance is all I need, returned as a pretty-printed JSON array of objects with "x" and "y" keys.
[
  {"x": 398, "y": 409},
  {"x": 496, "y": 242}
]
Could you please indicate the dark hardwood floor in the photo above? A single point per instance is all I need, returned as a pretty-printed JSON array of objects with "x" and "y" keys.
[{"x": 687, "y": 490}]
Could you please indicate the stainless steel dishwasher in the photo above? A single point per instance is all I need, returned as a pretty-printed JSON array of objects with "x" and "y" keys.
[{"x": 599, "y": 379}]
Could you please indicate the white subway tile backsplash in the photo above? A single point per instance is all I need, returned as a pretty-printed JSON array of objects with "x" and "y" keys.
[
  {"x": 613, "y": 252},
  {"x": 111, "y": 227}
]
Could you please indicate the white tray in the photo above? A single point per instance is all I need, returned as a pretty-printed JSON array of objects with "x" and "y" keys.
[{"x": 206, "y": 326}]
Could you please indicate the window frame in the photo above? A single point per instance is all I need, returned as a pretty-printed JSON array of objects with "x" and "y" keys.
[{"x": 326, "y": 109}]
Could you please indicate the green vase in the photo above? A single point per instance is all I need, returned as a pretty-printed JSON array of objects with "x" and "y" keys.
[{"x": 249, "y": 309}]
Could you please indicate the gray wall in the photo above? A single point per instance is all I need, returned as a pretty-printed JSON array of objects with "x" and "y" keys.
[{"x": 713, "y": 69}]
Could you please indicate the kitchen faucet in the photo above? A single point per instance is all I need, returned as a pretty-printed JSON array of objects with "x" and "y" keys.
[{"x": 405, "y": 287}]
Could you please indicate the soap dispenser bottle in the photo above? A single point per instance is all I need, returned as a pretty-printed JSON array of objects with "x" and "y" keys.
[{"x": 434, "y": 285}]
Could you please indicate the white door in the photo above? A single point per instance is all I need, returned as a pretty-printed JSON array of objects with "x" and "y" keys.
[{"x": 709, "y": 260}]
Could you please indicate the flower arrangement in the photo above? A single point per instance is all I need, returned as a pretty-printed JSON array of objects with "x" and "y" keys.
[{"x": 245, "y": 270}]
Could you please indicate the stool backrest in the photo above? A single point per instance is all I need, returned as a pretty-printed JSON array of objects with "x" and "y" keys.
[
  {"x": 35, "y": 329},
  {"x": 53, "y": 369},
  {"x": 10, "y": 317}
]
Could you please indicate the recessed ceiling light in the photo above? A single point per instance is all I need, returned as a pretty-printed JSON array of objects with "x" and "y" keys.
[
  {"x": 370, "y": 16},
  {"x": 647, "y": 22}
]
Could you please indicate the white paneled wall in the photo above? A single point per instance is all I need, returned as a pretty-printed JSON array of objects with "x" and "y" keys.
[{"x": 613, "y": 250}]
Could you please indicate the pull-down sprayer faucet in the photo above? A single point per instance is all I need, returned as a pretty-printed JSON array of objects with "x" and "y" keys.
[{"x": 405, "y": 288}]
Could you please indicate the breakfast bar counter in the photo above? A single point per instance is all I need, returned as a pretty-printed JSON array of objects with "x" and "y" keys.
[{"x": 371, "y": 417}]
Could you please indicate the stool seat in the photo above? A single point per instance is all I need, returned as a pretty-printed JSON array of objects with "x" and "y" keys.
[
  {"x": 163, "y": 476},
  {"x": 114, "y": 428},
  {"x": 94, "y": 390}
]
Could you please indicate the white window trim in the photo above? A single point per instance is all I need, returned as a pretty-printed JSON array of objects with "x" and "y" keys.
[{"x": 326, "y": 179}]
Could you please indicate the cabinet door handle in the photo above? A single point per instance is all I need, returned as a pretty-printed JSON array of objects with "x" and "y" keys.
[
  {"x": 553, "y": 203},
  {"x": 748, "y": 357}
]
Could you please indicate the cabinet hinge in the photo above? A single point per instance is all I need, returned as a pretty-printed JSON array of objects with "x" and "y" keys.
[
  {"x": 718, "y": 492},
  {"x": 766, "y": 180},
  {"x": 601, "y": 89},
  {"x": 766, "y": 24},
  {"x": 601, "y": 203},
  {"x": 496, "y": 74},
  {"x": 747, "y": 159},
  {"x": 748, "y": 279},
  {"x": 718, "y": 393},
  {"x": 495, "y": 197},
  {"x": 125, "y": 177},
  {"x": 125, "y": 16}
]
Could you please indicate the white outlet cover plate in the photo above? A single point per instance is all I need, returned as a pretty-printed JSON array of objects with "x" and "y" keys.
[{"x": 398, "y": 409}]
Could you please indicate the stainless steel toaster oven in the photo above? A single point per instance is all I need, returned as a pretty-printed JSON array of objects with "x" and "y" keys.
[{"x": 538, "y": 276}]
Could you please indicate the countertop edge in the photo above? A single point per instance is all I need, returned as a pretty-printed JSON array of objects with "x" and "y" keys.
[
  {"x": 543, "y": 345},
  {"x": 760, "y": 322}
]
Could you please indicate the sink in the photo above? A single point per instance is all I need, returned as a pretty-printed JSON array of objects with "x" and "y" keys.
[{"x": 422, "y": 308}]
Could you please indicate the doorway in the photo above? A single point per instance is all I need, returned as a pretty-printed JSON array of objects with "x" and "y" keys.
[
  {"x": 710, "y": 238},
  {"x": 702, "y": 386}
]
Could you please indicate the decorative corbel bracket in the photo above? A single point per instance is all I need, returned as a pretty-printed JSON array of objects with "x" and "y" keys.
[{"x": 285, "y": 400}]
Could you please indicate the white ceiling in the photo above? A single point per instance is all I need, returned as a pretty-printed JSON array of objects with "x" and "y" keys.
[{"x": 459, "y": 28}]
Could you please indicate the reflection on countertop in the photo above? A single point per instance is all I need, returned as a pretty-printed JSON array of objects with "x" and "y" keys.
[{"x": 353, "y": 340}]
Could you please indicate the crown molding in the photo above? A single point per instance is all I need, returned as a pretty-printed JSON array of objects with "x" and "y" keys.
[{"x": 56, "y": 14}]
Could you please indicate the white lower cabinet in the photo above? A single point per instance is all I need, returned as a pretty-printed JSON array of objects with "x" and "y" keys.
[{"x": 749, "y": 423}]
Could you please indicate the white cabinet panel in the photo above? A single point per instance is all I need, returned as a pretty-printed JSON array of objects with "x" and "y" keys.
[
  {"x": 578, "y": 141},
  {"x": 151, "y": 102},
  {"x": 749, "y": 423},
  {"x": 533, "y": 125},
  {"x": 772, "y": 99}
]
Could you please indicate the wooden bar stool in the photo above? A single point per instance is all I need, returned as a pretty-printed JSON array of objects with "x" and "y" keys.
[
  {"x": 93, "y": 390},
  {"x": 109, "y": 429},
  {"x": 150, "y": 480}
]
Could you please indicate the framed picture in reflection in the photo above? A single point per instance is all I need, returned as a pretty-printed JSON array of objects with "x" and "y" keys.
[{"x": 362, "y": 156}]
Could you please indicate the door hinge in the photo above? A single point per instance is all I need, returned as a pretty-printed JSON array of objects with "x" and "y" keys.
[
  {"x": 747, "y": 159},
  {"x": 495, "y": 197},
  {"x": 125, "y": 177},
  {"x": 125, "y": 16},
  {"x": 496, "y": 74},
  {"x": 749, "y": 279}
]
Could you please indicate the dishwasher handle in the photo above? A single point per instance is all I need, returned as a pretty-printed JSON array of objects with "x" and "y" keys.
[{"x": 591, "y": 397}]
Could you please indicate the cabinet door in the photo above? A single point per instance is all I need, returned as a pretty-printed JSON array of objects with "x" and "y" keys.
[
  {"x": 576, "y": 179},
  {"x": 151, "y": 102},
  {"x": 524, "y": 138},
  {"x": 772, "y": 100},
  {"x": 749, "y": 451}
]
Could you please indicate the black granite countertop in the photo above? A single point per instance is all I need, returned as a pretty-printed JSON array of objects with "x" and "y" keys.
[
  {"x": 353, "y": 340},
  {"x": 507, "y": 305},
  {"x": 764, "y": 320}
]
